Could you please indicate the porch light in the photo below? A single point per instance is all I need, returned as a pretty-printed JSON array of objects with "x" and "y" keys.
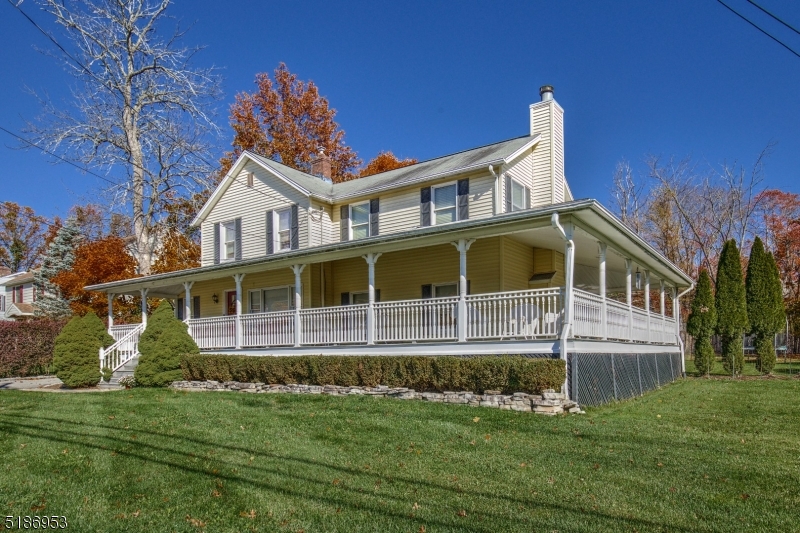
[
  {"x": 215, "y": 298},
  {"x": 638, "y": 280}
]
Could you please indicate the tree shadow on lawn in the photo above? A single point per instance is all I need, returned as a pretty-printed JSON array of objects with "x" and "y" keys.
[{"x": 169, "y": 457}]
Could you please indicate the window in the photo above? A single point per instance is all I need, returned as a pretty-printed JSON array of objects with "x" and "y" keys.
[
  {"x": 269, "y": 300},
  {"x": 16, "y": 295},
  {"x": 359, "y": 221},
  {"x": 2, "y": 304},
  {"x": 357, "y": 298},
  {"x": 444, "y": 204},
  {"x": 284, "y": 224},
  {"x": 228, "y": 250},
  {"x": 444, "y": 290},
  {"x": 519, "y": 195}
]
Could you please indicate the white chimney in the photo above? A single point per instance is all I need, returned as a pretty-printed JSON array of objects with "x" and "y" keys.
[{"x": 547, "y": 120}]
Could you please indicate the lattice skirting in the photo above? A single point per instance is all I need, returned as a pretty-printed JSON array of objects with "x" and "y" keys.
[{"x": 598, "y": 378}]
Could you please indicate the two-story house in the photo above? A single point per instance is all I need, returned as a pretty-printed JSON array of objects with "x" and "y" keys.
[
  {"x": 17, "y": 296},
  {"x": 483, "y": 251}
]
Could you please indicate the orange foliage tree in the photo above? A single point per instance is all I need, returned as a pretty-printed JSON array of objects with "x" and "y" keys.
[
  {"x": 288, "y": 121},
  {"x": 384, "y": 162},
  {"x": 99, "y": 261},
  {"x": 180, "y": 242}
]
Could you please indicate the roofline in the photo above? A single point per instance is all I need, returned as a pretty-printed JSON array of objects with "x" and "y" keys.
[{"x": 542, "y": 213}]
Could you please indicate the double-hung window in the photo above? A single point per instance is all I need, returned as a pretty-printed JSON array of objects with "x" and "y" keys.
[
  {"x": 269, "y": 300},
  {"x": 228, "y": 230},
  {"x": 284, "y": 224},
  {"x": 445, "y": 289},
  {"x": 359, "y": 221},
  {"x": 444, "y": 204},
  {"x": 518, "y": 196}
]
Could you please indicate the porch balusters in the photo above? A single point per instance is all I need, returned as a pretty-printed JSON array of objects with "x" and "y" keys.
[
  {"x": 238, "y": 279},
  {"x": 603, "y": 306},
  {"x": 371, "y": 259},
  {"x": 461, "y": 322},
  {"x": 628, "y": 298},
  {"x": 298, "y": 300},
  {"x": 647, "y": 302}
]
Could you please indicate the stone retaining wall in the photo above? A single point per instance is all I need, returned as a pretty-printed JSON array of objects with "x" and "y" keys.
[{"x": 547, "y": 403}]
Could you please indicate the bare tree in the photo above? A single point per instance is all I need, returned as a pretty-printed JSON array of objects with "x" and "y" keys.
[
  {"x": 139, "y": 105},
  {"x": 628, "y": 197}
]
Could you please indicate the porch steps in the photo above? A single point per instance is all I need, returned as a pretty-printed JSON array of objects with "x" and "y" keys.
[{"x": 124, "y": 371}]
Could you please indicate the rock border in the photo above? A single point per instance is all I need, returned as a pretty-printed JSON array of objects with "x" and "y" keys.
[{"x": 549, "y": 402}]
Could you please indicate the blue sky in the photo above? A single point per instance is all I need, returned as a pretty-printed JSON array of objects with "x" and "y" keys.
[{"x": 424, "y": 79}]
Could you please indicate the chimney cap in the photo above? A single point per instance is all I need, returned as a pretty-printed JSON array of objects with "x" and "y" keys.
[{"x": 546, "y": 92}]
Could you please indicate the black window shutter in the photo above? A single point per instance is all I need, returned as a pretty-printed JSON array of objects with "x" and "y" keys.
[
  {"x": 295, "y": 233},
  {"x": 469, "y": 289},
  {"x": 270, "y": 235},
  {"x": 195, "y": 307},
  {"x": 179, "y": 307},
  {"x": 374, "y": 210},
  {"x": 463, "y": 199},
  {"x": 345, "y": 298},
  {"x": 377, "y": 295},
  {"x": 508, "y": 194},
  {"x": 427, "y": 292},
  {"x": 216, "y": 243},
  {"x": 344, "y": 223},
  {"x": 425, "y": 206},
  {"x": 237, "y": 224},
  {"x": 527, "y": 198}
]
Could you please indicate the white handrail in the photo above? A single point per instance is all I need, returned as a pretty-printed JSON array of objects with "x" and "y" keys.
[
  {"x": 275, "y": 328},
  {"x": 214, "y": 332},
  {"x": 416, "y": 320},
  {"x": 335, "y": 325},
  {"x": 122, "y": 351},
  {"x": 535, "y": 313}
]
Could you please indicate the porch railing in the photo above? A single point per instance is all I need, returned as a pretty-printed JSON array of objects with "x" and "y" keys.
[
  {"x": 275, "y": 328},
  {"x": 119, "y": 331},
  {"x": 122, "y": 351},
  {"x": 432, "y": 319},
  {"x": 531, "y": 314},
  {"x": 334, "y": 325}
]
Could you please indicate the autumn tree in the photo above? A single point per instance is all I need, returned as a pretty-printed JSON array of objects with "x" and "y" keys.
[
  {"x": 22, "y": 237},
  {"x": 383, "y": 162},
  {"x": 180, "y": 241},
  {"x": 140, "y": 112},
  {"x": 288, "y": 121},
  {"x": 99, "y": 261}
]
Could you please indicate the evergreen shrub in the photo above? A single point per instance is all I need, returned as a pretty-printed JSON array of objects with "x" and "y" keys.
[
  {"x": 77, "y": 351},
  {"x": 764, "y": 304},
  {"x": 731, "y": 307},
  {"x": 163, "y": 342},
  {"x": 701, "y": 323},
  {"x": 477, "y": 374}
]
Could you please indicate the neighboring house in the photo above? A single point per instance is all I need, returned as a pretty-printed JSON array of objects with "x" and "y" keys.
[
  {"x": 17, "y": 296},
  {"x": 484, "y": 251}
]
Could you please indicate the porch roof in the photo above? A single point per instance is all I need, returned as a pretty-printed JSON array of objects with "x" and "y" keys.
[{"x": 593, "y": 220}]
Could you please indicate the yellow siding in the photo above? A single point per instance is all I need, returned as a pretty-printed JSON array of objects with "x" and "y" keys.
[
  {"x": 517, "y": 265},
  {"x": 252, "y": 204},
  {"x": 521, "y": 172},
  {"x": 549, "y": 261}
]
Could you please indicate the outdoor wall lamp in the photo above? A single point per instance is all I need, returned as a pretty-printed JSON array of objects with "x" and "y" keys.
[{"x": 215, "y": 298}]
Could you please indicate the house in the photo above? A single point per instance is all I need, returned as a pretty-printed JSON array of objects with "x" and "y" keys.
[
  {"x": 480, "y": 252},
  {"x": 17, "y": 296}
]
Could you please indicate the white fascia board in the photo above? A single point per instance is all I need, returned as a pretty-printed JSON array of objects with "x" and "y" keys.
[
  {"x": 527, "y": 146},
  {"x": 227, "y": 181}
]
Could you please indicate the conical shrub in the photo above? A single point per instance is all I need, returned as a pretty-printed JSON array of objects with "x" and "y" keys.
[
  {"x": 731, "y": 305},
  {"x": 701, "y": 324},
  {"x": 161, "y": 346},
  {"x": 76, "y": 355},
  {"x": 764, "y": 304}
]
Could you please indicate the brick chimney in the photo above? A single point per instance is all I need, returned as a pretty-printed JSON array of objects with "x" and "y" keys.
[{"x": 321, "y": 166}]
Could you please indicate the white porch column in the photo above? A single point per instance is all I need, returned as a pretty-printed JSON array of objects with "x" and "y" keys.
[
  {"x": 298, "y": 301},
  {"x": 462, "y": 246},
  {"x": 238, "y": 279},
  {"x": 110, "y": 310},
  {"x": 603, "y": 306},
  {"x": 628, "y": 298},
  {"x": 187, "y": 300},
  {"x": 647, "y": 300},
  {"x": 566, "y": 233},
  {"x": 661, "y": 300},
  {"x": 676, "y": 314},
  {"x": 371, "y": 259},
  {"x": 144, "y": 306}
]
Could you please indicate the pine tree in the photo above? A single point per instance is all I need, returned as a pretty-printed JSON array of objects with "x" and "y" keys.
[
  {"x": 701, "y": 324},
  {"x": 731, "y": 306},
  {"x": 764, "y": 304},
  {"x": 161, "y": 346},
  {"x": 77, "y": 351},
  {"x": 59, "y": 257}
]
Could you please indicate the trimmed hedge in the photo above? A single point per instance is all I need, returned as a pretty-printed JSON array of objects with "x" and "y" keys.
[
  {"x": 26, "y": 346},
  {"x": 476, "y": 374}
]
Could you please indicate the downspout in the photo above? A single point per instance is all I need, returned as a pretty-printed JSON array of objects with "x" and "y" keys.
[
  {"x": 496, "y": 199},
  {"x": 678, "y": 326},
  {"x": 569, "y": 265}
]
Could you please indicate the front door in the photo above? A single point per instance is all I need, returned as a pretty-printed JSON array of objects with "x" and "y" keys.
[{"x": 230, "y": 300}]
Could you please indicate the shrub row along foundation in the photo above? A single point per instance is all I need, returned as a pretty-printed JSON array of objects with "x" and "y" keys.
[{"x": 548, "y": 402}]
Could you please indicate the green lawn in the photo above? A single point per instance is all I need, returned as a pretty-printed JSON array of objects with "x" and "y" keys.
[{"x": 698, "y": 455}]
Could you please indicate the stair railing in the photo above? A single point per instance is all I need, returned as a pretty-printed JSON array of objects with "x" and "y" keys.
[{"x": 122, "y": 351}]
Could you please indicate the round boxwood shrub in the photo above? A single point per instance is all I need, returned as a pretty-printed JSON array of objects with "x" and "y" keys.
[
  {"x": 77, "y": 351},
  {"x": 164, "y": 341}
]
